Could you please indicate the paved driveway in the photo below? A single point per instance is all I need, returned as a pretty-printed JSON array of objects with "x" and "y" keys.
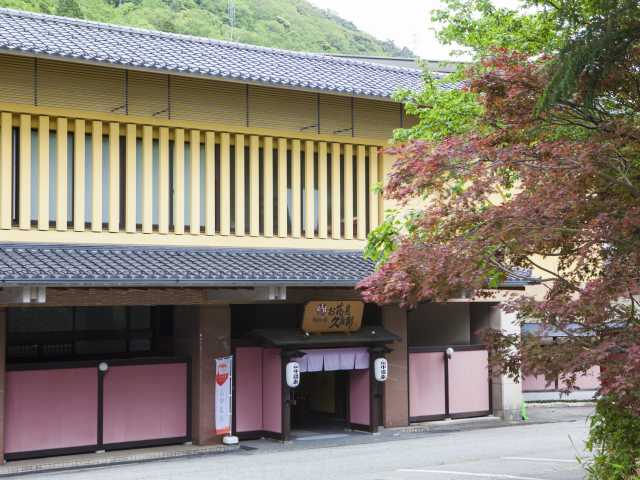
[{"x": 524, "y": 452}]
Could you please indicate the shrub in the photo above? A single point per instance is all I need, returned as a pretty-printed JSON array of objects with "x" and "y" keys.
[{"x": 614, "y": 441}]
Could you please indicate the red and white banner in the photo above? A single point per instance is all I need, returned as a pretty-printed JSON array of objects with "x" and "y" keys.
[{"x": 222, "y": 401}]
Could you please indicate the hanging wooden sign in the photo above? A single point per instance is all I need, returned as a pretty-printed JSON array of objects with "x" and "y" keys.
[{"x": 332, "y": 316}]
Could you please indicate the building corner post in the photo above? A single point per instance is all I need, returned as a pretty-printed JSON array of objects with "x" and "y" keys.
[
  {"x": 3, "y": 378},
  {"x": 506, "y": 394},
  {"x": 203, "y": 333},
  {"x": 395, "y": 404}
]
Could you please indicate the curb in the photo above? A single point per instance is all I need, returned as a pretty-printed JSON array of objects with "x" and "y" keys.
[{"x": 98, "y": 460}]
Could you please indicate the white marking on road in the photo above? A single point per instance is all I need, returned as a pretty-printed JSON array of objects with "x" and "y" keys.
[
  {"x": 534, "y": 459},
  {"x": 469, "y": 474}
]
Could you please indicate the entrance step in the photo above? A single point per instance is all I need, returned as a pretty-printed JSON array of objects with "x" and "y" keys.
[{"x": 138, "y": 455}]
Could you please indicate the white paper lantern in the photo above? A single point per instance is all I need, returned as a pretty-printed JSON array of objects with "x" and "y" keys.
[
  {"x": 380, "y": 369},
  {"x": 292, "y": 373}
]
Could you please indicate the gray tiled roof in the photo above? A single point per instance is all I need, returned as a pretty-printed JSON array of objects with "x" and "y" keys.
[
  {"x": 82, "y": 265},
  {"x": 79, "y": 40}
]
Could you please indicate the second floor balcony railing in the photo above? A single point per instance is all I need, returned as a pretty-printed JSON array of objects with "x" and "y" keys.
[{"x": 92, "y": 174}]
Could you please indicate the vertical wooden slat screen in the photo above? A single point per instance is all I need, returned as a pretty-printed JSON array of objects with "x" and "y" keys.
[
  {"x": 296, "y": 207},
  {"x": 239, "y": 185},
  {"x": 339, "y": 198},
  {"x": 322, "y": 190},
  {"x": 282, "y": 187},
  {"x": 62, "y": 125},
  {"x": 96, "y": 179},
  {"x": 335, "y": 191},
  {"x": 361, "y": 193},
  {"x": 43, "y": 173},
  {"x": 25, "y": 172},
  {"x": 130, "y": 198},
  {"x": 6, "y": 125},
  {"x": 194, "y": 223},
  {"x": 309, "y": 189},
  {"x": 348, "y": 192},
  {"x": 374, "y": 215},
  {"x": 114, "y": 176},
  {"x": 254, "y": 185},
  {"x": 225, "y": 184},
  {"x": 163, "y": 180},
  {"x": 267, "y": 189},
  {"x": 210, "y": 183},
  {"x": 78, "y": 175},
  {"x": 147, "y": 179},
  {"x": 178, "y": 181}
]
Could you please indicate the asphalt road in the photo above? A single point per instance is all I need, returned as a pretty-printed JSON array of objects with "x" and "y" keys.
[{"x": 524, "y": 452}]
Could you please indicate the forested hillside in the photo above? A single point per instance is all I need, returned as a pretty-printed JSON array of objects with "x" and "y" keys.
[{"x": 290, "y": 24}]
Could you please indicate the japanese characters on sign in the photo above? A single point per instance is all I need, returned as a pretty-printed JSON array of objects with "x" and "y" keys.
[{"x": 332, "y": 316}]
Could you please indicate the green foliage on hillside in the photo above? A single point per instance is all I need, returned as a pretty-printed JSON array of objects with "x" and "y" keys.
[{"x": 289, "y": 24}]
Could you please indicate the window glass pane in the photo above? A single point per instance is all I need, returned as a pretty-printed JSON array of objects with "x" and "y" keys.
[
  {"x": 92, "y": 347},
  {"x": 247, "y": 188},
  {"x": 187, "y": 184},
  {"x": 53, "y": 176},
  {"x": 139, "y": 180},
  {"x": 105, "y": 178},
  {"x": 34, "y": 175},
  {"x": 15, "y": 160},
  {"x": 70, "y": 180},
  {"x": 88, "y": 178},
  {"x": 139, "y": 345},
  {"x": 203, "y": 180},
  {"x": 101, "y": 318},
  {"x": 31, "y": 320},
  {"x": 139, "y": 318},
  {"x": 155, "y": 174}
]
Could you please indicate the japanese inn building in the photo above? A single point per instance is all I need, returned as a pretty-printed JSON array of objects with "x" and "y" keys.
[{"x": 168, "y": 200}]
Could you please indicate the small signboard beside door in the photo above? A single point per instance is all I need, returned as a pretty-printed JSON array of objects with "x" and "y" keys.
[{"x": 223, "y": 395}]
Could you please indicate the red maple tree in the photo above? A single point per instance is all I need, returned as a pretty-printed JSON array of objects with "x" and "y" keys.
[{"x": 558, "y": 183}]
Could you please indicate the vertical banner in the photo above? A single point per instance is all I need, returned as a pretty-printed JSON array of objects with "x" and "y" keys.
[{"x": 223, "y": 395}]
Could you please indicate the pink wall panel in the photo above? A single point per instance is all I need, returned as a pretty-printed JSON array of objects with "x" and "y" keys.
[
  {"x": 588, "y": 381},
  {"x": 359, "y": 397},
  {"x": 536, "y": 383},
  {"x": 272, "y": 390},
  {"x": 469, "y": 382},
  {"x": 47, "y": 409},
  {"x": 144, "y": 402},
  {"x": 426, "y": 384},
  {"x": 248, "y": 392}
]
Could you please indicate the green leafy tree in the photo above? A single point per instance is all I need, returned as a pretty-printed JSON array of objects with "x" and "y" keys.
[{"x": 69, "y": 8}]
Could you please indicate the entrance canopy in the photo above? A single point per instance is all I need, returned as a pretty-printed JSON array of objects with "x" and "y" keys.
[{"x": 294, "y": 338}]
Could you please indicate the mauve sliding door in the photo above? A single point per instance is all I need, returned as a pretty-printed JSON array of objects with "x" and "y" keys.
[
  {"x": 50, "y": 411},
  {"x": 145, "y": 404}
]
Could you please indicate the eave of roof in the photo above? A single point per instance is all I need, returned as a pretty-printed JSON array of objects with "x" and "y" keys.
[
  {"x": 142, "y": 266},
  {"x": 48, "y": 36}
]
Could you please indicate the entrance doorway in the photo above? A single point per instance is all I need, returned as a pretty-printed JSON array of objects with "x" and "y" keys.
[{"x": 321, "y": 402}]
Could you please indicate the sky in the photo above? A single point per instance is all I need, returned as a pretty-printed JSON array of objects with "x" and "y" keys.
[{"x": 406, "y": 22}]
